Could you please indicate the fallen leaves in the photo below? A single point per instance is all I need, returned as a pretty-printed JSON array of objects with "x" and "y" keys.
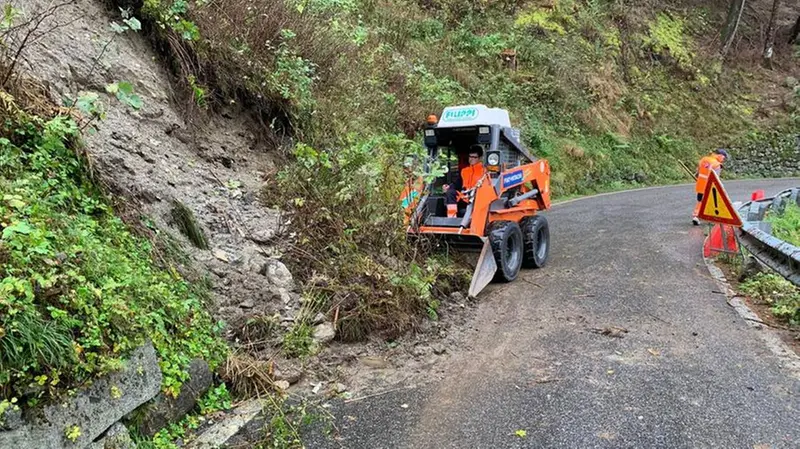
[{"x": 521, "y": 433}]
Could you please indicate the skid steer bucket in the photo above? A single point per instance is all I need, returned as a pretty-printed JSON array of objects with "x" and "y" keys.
[{"x": 484, "y": 269}]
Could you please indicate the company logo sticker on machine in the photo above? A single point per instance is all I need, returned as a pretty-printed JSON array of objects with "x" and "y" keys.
[
  {"x": 460, "y": 115},
  {"x": 512, "y": 178}
]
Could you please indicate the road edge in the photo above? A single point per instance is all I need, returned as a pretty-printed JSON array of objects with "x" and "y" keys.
[{"x": 786, "y": 356}]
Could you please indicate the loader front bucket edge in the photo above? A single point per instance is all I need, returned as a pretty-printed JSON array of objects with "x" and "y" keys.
[{"x": 484, "y": 270}]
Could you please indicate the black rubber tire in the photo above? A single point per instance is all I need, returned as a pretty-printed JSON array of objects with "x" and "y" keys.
[
  {"x": 506, "y": 240},
  {"x": 536, "y": 235}
]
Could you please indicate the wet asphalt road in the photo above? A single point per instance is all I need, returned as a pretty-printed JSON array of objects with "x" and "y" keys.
[{"x": 689, "y": 373}]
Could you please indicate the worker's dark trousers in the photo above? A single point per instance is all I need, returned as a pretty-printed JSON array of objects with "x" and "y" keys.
[{"x": 450, "y": 198}]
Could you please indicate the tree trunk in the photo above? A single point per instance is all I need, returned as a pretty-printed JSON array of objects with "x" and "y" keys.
[
  {"x": 732, "y": 24},
  {"x": 769, "y": 45}
]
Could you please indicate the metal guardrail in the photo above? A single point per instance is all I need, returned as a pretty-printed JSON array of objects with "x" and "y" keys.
[{"x": 756, "y": 235}]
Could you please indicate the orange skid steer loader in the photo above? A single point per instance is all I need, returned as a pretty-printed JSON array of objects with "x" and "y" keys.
[{"x": 498, "y": 216}]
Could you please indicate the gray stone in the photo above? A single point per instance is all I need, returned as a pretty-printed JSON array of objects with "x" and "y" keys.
[
  {"x": 221, "y": 255},
  {"x": 288, "y": 373},
  {"x": 116, "y": 437},
  {"x": 285, "y": 296},
  {"x": 163, "y": 410},
  {"x": 323, "y": 333},
  {"x": 457, "y": 296},
  {"x": 790, "y": 81},
  {"x": 319, "y": 318},
  {"x": 263, "y": 235},
  {"x": 257, "y": 264},
  {"x": 242, "y": 424},
  {"x": 421, "y": 351},
  {"x": 439, "y": 349},
  {"x": 11, "y": 419},
  {"x": 93, "y": 409},
  {"x": 279, "y": 275}
]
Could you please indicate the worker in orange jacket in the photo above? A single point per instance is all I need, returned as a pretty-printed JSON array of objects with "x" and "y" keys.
[
  {"x": 470, "y": 176},
  {"x": 708, "y": 163}
]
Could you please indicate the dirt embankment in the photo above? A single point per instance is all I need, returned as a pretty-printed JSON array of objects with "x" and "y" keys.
[{"x": 151, "y": 158}]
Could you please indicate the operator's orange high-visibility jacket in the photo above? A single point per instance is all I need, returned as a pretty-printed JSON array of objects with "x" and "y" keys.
[
  {"x": 470, "y": 175},
  {"x": 707, "y": 164}
]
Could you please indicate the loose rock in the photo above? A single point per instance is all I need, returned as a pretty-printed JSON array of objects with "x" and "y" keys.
[
  {"x": 279, "y": 275},
  {"x": 116, "y": 437},
  {"x": 325, "y": 332},
  {"x": 288, "y": 373}
]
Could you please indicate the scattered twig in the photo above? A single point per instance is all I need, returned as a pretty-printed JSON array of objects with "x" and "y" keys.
[
  {"x": 531, "y": 282},
  {"x": 611, "y": 331},
  {"x": 34, "y": 24},
  {"x": 216, "y": 178},
  {"x": 657, "y": 318},
  {"x": 335, "y": 317},
  {"x": 546, "y": 380}
]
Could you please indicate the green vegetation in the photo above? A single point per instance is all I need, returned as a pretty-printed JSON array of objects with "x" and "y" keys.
[
  {"x": 188, "y": 225},
  {"x": 216, "y": 399},
  {"x": 772, "y": 289},
  {"x": 614, "y": 108},
  {"x": 350, "y": 242},
  {"x": 299, "y": 341},
  {"x": 288, "y": 417},
  {"x": 79, "y": 289},
  {"x": 7, "y": 405},
  {"x": 786, "y": 226}
]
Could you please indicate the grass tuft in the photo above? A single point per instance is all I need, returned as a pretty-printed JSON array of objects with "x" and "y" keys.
[{"x": 188, "y": 224}]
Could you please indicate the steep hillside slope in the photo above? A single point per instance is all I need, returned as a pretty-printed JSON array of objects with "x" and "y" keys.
[
  {"x": 166, "y": 172},
  {"x": 593, "y": 84}
]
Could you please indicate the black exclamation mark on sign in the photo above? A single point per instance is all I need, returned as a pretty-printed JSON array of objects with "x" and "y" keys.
[{"x": 714, "y": 192}]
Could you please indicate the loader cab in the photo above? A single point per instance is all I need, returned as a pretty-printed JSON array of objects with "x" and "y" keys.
[
  {"x": 450, "y": 139},
  {"x": 500, "y": 221}
]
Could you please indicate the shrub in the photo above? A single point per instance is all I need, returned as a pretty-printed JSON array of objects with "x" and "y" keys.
[
  {"x": 780, "y": 294},
  {"x": 786, "y": 226},
  {"x": 667, "y": 37},
  {"x": 79, "y": 290},
  {"x": 350, "y": 245}
]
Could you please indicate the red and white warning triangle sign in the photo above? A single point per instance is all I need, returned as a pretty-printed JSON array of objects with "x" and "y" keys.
[{"x": 716, "y": 206}]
